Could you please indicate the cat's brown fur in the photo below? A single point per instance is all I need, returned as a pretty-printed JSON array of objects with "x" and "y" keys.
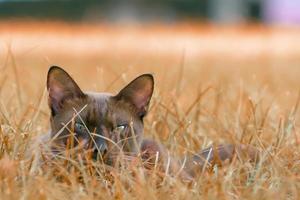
[
  {"x": 105, "y": 123},
  {"x": 108, "y": 125}
]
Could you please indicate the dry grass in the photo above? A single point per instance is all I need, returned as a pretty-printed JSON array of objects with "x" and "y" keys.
[{"x": 213, "y": 86}]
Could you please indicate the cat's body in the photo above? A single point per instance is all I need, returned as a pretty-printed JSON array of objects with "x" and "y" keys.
[{"x": 107, "y": 124}]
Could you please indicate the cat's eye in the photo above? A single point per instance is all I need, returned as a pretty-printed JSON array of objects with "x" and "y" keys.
[
  {"x": 120, "y": 128},
  {"x": 79, "y": 127}
]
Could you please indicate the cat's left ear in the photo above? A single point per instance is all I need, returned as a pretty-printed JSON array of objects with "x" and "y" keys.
[
  {"x": 61, "y": 87},
  {"x": 138, "y": 93}
]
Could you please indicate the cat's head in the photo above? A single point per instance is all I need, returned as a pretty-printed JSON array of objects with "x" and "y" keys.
[{"x": 101, "y": 122}]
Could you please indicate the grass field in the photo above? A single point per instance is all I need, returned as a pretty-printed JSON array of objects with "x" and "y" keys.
[{"x": 213, "y": 85}]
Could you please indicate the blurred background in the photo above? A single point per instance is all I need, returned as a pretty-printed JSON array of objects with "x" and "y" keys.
[{"x": 167, "y": 11}]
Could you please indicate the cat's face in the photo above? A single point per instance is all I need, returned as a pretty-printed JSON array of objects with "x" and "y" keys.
[{"x": 103, "y": 123}]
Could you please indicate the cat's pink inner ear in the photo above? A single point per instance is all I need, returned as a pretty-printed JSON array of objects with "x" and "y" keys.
[
  {"x": 142, "y": 96},
  {"x": 138, "y": 92},
  {"x": 56, "y": 93},
  {"x": 61, "y": 87},
  {"x": 55, "y": 97}
]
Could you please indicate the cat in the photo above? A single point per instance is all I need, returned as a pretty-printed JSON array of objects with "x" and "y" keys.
[{"x": 107, "y": 125}]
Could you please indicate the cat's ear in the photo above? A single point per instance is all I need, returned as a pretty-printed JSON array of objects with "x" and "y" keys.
[
  {"x": 138, "y": 92},
  {"x": 61, "y": 87}
]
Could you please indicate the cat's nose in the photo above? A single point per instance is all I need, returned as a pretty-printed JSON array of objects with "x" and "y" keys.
[{"x": 100, "y": 151}]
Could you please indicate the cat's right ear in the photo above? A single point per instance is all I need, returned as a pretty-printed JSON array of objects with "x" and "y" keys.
[
  {"x": 138, "y": 93},
  {"x": 61, "y": 87}
]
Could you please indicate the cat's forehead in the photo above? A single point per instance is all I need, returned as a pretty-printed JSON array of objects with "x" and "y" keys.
[
  {"x": 99, "y": 101},
  {"x": 104, "y": 105},
  {"x": 99, "y": 96}
]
